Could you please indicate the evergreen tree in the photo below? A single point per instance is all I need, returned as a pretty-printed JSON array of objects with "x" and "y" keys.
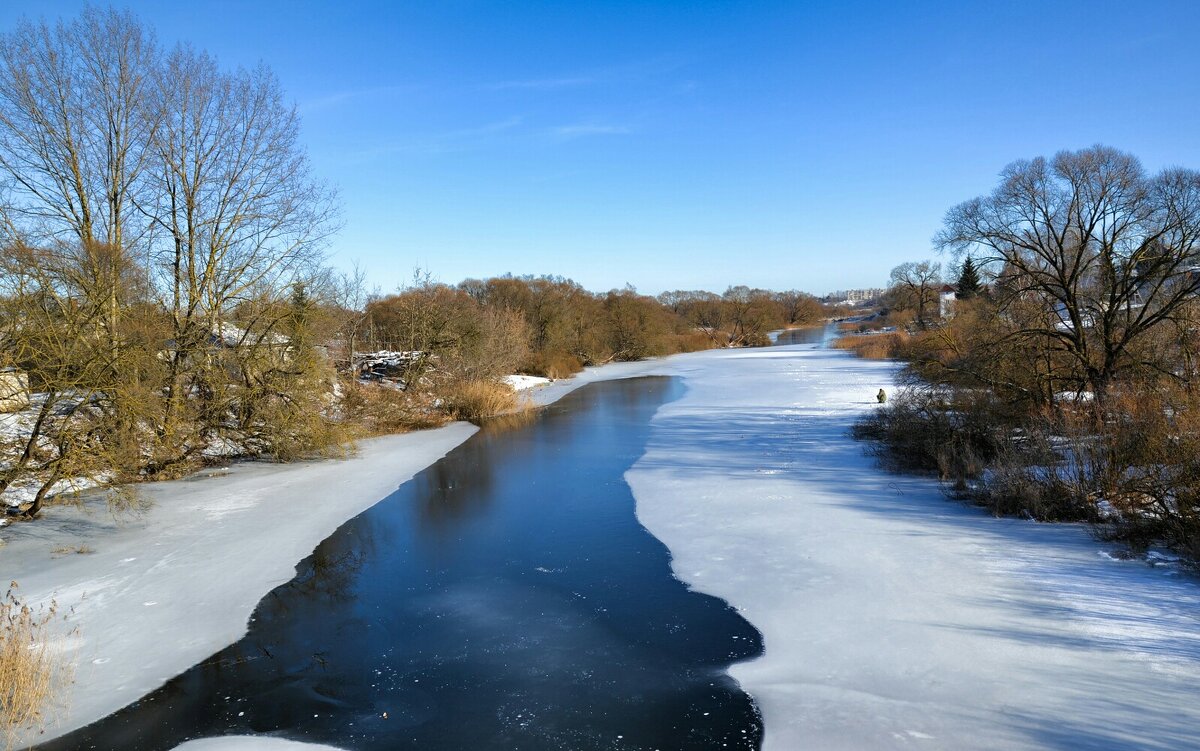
[{"x": 968, "y": 281}]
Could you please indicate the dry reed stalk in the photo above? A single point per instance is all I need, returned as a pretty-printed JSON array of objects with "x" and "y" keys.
[
  {"x": 871, "y": 346},
  {"x": 476, "y": 400},
  {"x": 29, "y": 670}
]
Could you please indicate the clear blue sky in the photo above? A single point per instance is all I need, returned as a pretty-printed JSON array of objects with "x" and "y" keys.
[{"x": 690, "y": 144}]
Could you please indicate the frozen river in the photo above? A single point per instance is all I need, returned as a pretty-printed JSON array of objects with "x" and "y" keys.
[
  {"x": 519, "y": 593},
  {"x": 505, "y": 598}
]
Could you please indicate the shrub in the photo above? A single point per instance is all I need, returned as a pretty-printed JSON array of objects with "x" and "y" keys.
[
  {"x": 873, "y": 346},
  {"x": 476, "y": 400},
  {"x": 691, "y": 341},
  {"x": 379, "y": 409},
  {"x": 553, "y": 365},
  {"x": 926, "y": 430}
]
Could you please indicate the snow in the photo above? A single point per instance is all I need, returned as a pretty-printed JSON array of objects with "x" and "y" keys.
[
  {"x": 234, "y": 336},
  {"x": 15, "y": 429},
  {"x": 525, "y": 382},
  {"x": 893, "y": 617}
]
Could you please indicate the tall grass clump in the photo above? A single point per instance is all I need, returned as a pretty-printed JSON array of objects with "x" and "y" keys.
[
  {"x": 475, "y": 400},
  {"x": 28, "y": 668},
  {"x": 553, "y": 365},
  {"x": 380, "y": 410},
  {"x": 873, "y": 346}
]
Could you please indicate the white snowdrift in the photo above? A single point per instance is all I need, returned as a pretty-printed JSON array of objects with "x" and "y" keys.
[
  {"x": 525, "y": 382},
  {"x": 894, "y": 618}
]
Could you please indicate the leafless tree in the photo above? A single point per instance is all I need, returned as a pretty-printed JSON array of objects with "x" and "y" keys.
[
  {"x": 1107, "y": 252},
  {"x": 916, "y": 283},
  {"x": 73, "y": 142},
  {"x": 237, "y": 213}
]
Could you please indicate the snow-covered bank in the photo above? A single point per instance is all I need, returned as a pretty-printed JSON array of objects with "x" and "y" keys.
[
  {"x": 892, "y": 617},
  {"x": 250, "y": 743},
  {"x": 164, "y": 590}
]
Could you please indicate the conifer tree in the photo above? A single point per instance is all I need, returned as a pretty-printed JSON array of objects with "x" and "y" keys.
[{"x": 968, "y": 285}]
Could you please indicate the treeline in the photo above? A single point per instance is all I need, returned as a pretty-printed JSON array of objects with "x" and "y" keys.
[
  {"x": 164, "y": 296},
  {"x": 550, "y": 326},
  {"x": 1061, "y": 383}
]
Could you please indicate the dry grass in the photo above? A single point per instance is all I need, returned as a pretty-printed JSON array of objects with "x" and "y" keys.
[
  {"x": 691, "y": 341},
  {"x": 553, "y": 365},
  {"x": 873, "y": 346},
  {"x": 72, "y": 549},
  {"x": 478, "y": 399},
  {"x": 29, "y": 671}
]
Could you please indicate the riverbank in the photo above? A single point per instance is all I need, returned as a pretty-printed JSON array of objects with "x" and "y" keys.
[{"x": 157, "y": 592}]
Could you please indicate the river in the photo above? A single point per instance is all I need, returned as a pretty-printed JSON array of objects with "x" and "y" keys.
[{"x": 506, "y": 597}]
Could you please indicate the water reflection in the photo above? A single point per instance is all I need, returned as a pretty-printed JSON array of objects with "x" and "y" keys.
[{"x": 505, "y": 598}]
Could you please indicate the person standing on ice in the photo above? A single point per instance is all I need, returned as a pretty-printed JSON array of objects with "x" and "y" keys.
[{"x": 881, "y": 396}]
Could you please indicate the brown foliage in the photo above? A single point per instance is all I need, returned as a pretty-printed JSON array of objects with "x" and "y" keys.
[
  {"x": 476, "y": 400},
  {"x": 378, "y": 409},
  {"x": 552, "y": 365},
  {"x": 873, "y": 346}
]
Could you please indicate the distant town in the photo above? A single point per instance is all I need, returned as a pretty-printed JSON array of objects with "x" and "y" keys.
[{"x": 854, "y": 296}]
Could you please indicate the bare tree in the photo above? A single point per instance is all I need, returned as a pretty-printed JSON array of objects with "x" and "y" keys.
[
  {"x": 916, "y": 283},
  {"x": 1104, "y": 250},
  {"x": 238, "y": 215},
  {"x": 799, "y": 308},
  {"x": 73, "y": 139}
]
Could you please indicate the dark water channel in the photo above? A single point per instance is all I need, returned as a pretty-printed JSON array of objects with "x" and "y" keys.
[
  {"x": 807, "y": 335},
  {"x": 505, "y": 598}
]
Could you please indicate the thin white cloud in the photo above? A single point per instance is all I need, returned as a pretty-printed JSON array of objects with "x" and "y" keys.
[
  {"x": 619, "y": 73},
  {"x": 340, "y": 97},
  {"x": 581, "y": 130},
  {"x": 545, "y": 84},
  {"x": 457, "y": 140},
  {"x": 483, "y": 130}
]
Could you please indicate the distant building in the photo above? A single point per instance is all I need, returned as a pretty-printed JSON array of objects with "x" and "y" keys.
[
  {"x": 855, "y": 296},
  {"x": 946, "y": 299}
]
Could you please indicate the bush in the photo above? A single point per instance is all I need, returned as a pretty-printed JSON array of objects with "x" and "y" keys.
[
  {"x": 553, "y": 365},
  {"x": 925, "y": 430},
  {"x": 691, "y": 341},
  {"x": 476, "y": 400},
  {"x": 873, "y": 346},
  {"x": 379, "y": 409}
]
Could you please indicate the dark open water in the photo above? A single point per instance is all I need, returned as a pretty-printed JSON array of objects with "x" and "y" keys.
[
  {"x": 505, "y": 598},
  {"x": 807, "y": 335}
]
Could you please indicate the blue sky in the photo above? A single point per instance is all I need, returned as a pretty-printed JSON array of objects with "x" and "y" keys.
[{"x": 690, "y": 144}]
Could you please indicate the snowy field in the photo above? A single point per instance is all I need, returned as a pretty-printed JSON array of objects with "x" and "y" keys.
[{"x": 892, "y": 617}]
